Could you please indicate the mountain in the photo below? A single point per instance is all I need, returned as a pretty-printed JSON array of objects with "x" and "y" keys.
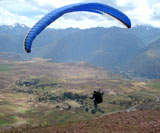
[
  {"x": 110, "y": 47},
  {"x": 10, "y": 56},
  {"x": 147, "y": 61},
  {"x": 146, "y": 33},
  {"x": 11, "y": 38},
  {"x": 99, "y": 46}
]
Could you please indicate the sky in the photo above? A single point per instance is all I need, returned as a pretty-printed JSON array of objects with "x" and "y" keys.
[{"x": 28, "y": 12}]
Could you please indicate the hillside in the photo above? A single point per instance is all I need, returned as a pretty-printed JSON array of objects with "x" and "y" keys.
[
  {"x": 147, "y": 62},
  {"x": 10, "y": 56},
  {"x": 146, "y": 33},
  {"x": 136, "y": 121}
]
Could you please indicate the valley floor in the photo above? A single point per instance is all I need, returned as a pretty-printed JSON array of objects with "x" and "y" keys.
[{"x": 45, "y": 97}]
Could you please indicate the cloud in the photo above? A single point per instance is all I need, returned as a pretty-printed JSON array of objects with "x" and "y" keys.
[
  {"x": 84, "y": 23},
  {"x": 30, "y": 11},
  {"x": 8, "y": 18},
  {"x": 156, "y": 11}
]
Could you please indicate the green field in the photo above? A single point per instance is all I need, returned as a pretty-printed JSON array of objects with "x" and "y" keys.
[
  {"x": 6, "y": 67},
  {"x": 154, "y": 84}
]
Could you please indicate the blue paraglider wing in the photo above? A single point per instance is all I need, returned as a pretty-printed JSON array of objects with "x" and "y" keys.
[{"x": 55, "y": 14}]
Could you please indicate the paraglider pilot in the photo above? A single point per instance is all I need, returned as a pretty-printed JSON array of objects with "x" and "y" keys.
[{"x": 97, "y": 96}]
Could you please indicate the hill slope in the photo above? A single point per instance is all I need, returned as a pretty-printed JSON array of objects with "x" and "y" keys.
[
  {"x": 147, "y": 62},
  {"x": 136, "y": 121}
]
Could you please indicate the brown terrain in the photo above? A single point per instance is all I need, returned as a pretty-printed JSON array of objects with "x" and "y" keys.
[{"x": 147, "y": 121}]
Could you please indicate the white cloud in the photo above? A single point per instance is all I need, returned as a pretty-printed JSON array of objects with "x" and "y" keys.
[
  {"x": 144, "y": 13},
  {"x": 123, "y": 2},
  {"x": 84, "y": 23},
  {"x": 8, "y": 18},
  {"x": 29, "y": 12}
]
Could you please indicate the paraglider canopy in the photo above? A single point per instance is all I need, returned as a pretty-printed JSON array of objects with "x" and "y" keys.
[{"x": 55, "y": 14}]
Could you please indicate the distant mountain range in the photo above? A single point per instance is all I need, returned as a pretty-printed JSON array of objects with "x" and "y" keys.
[{"x": 113, "y": 48}]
